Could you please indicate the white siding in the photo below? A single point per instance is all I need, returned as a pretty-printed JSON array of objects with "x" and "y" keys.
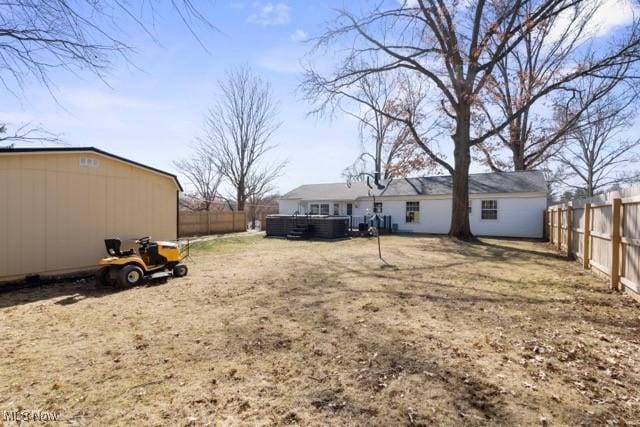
[
  {"x": 435, "y": 215},
  {"x": 518, "y": 216},
  {"x": 288, "y": 207},
  {"x": 362, "y": 207}
]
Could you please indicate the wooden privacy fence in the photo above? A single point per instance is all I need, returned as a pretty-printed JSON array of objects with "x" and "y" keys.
[
  {"x": 603, "y": 233},
  {"x": 203, "y": 223}
]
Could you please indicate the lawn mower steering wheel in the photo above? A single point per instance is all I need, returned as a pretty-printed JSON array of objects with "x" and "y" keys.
[{"x": 144, "y": 241}]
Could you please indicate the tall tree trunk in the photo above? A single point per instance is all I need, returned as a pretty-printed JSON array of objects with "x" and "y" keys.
[
  {"x": 590, "y": 190},
  {"x": 517, "y": 148},
  {"x": 460, "y": 227},
  {"x": 240, "y": 199}
]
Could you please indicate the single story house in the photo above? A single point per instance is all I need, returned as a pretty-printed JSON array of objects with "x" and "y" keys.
[
  {"x": 509, "y": 204},
  {"x": 57, "y": 205}
]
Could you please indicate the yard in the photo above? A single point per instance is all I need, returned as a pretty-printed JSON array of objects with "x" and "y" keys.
[{"x": 268, "y": 331}]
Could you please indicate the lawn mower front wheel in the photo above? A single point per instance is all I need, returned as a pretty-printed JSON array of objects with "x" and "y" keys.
[{"x": 180, "y": 270}]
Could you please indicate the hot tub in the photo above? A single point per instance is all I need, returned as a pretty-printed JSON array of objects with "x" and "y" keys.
[{"x": 308, "y": 226}]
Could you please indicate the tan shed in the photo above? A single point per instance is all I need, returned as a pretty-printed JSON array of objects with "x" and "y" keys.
[{"x": 57, "y": 205}]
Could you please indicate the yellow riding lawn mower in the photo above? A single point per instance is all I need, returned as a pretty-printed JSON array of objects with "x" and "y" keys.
[{"x": 152, "y": 260}]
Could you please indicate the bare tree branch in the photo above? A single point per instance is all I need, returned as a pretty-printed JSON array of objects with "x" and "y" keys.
[
  {"x": 204, "y": 179},
  {"x": 239, "y": 129},
  {"x": 597, "y": 151},
  {"x": 27, "y": 133},
  {"x": 40, "y": 36},
  {"x": 386, "y": 107}
]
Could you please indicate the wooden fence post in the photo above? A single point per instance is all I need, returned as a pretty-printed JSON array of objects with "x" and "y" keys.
[
  {"x": 545, "y": 225},
  {"x": 551, "y": 225},
  {"x": 586, "y": 243},
  {"x": 615, "y": 243},
  {"x": 559, "y": 228},
  {"x": 208, "y": 223},
  {"x": 570, "y": 231}
]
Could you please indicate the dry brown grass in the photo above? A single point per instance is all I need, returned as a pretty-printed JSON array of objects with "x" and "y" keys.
[{"x": 274, "y": 332}]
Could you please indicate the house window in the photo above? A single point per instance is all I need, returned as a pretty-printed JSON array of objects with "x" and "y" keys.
[
  {"x": 314, "y": 209},
  {"x": 349, "y": 209},
  {"x": 336, "y": 209},
  {"x": 377, "y": 207},
  {"x": 324, "y": 209},
  {"x": 489, "y": 209},
  {"x": 413, "y": 212}
]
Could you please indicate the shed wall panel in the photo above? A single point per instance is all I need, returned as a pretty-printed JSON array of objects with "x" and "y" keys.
[
  {"x": 4, "y": 218},
  {"x": 56, "y": 213}
]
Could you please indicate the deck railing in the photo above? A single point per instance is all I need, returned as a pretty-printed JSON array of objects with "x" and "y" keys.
[{"x": 382, "y": 222}]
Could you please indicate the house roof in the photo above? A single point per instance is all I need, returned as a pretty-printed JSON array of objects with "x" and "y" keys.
[
  {"x": 335, "y": 191},
  {"x": 88, "y": 149},
  {"x": 501, "y": 182}
]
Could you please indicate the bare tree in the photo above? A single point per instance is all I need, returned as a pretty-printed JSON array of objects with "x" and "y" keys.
[
  {"x": 204, "y": 179},
  {"x": 456, "y": 46},
  {"x": 598, "y": 154},
  {"x": 534, "y": 136},
  {"x": 258, "y": 206},
  {"x": 554, "y": 176},
  {"x": 238, "y": 133},
  {"x": 388, "y": 148}
]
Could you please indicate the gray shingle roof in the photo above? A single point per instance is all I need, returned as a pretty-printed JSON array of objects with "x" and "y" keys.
[
  {"x": 335, "y": 191},
  {"x": 502, "y": 182}
]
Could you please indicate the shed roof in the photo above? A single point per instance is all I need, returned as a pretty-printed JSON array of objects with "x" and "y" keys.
[
  {"x": 500, "y": 182},
  {"x": 35, "y": 150}
]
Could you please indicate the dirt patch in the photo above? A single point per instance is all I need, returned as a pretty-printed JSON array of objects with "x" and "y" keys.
[{"x": 273, "y": 332}]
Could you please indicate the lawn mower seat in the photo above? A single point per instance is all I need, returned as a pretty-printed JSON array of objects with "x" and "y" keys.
[{"x": 113, "y": 248}]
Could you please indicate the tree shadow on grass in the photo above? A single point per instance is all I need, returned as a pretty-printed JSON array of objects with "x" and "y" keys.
[
  {"x": 488, "y": 247},
  {"x": 504, "y": 251},
  {"x": 582, "y": 302},
  {"x": 332, "y": 276},
  {"x": 460, "y": 296},
  {"x": 511, "y": 250},
  {"x": 573, "y": 303}
]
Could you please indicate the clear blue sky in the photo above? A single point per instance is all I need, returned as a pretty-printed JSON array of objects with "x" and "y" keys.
[{"x": 152, "y": 109}]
